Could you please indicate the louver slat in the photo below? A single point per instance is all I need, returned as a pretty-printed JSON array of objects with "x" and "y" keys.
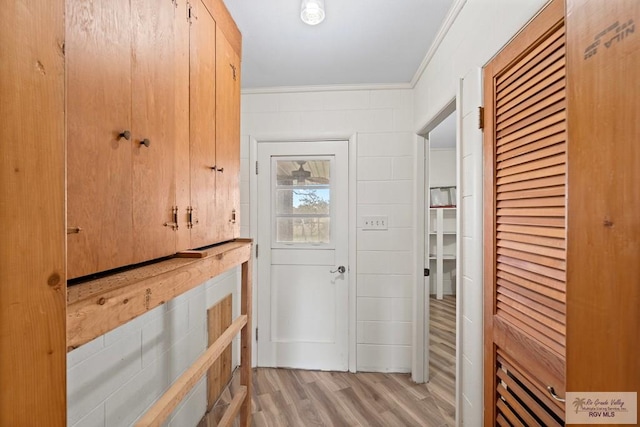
[
  {"x": 520, "y": 395},
  {"x": 518, "y": 155},
  {"x": 538, "y": 160},
  {"x": 532, "y": 238}
]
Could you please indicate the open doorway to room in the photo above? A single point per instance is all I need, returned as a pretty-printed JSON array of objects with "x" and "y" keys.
[
  {"x": 437, "y": 339},
  {"x": 441, "y": 261}
]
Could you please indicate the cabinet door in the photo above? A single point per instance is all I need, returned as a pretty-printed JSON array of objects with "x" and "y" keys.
[
  {"x": 202, "y": 129},
  {"x": 153, "y": 117},
  {"x": 603, "y": 236},
  {"x": 98, "y": 69},
  {"x": 181, "y": 80},
  {"x": 227, "y": 138}
]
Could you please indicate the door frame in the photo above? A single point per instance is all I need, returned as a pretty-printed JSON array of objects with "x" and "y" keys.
[
  {"x": 351, "y": 139},
  {"x": 421, "y": 310}
]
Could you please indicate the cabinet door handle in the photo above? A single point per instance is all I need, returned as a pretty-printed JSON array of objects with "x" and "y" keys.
[
  {"x": 174, "y": 216},
  {"x": 125, "y": 134},
  {"x": 553, "y": 394},
  {"x": 220, "y": 170},
  {"x": 213, "y": 168},
  {"x": 145, "y": 142}
]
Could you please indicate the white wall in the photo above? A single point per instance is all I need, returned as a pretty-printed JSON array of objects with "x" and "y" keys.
[
  {"x": 383, "y": 120},
  {"x": 112, "y": 380},
  {"x": 479, "y": 31},
  {"x": 442, "y": 167}
]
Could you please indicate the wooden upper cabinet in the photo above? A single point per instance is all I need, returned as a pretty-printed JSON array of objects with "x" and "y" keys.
[
  {"x": 154, "y": 129},
  {"x": 151, "y": 88},
  {"x": 202, "y": 129},
  {"x": 227, "y": 137},
  {"x": 98, "y": 106},
  {"x": 181, "y": 36}
]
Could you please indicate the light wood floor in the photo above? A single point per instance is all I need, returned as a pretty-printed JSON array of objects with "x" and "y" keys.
[
  {"x": 442, "y": 355},
  {"x": 285, "y": 397}
]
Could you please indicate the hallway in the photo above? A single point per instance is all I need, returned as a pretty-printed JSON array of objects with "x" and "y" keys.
[{"x": 284, "y": 397}]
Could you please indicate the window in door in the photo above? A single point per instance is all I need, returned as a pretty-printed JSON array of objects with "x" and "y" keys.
[{"x": 302, "y": 201}]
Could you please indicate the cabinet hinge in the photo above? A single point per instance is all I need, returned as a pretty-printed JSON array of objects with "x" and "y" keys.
[
  {"x": 480, "y": 118},
  {"x": 256, "y": 167},
  {"x": 256, "y": 250}
]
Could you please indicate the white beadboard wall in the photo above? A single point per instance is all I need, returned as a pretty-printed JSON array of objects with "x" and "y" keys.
[
  {"x": 383, "y": 120},
  {"x": 114, "y": 379},
  {"x": 480, "y": 30}
]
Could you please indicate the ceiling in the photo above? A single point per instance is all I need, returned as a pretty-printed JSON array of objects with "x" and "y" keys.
[{"x": 359, "y": 42}]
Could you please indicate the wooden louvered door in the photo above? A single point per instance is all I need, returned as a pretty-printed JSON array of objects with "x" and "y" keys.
[{"x": 525, "y": 226}]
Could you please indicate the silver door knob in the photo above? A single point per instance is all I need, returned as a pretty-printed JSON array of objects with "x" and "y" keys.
[{"x": 340, "y": 270}]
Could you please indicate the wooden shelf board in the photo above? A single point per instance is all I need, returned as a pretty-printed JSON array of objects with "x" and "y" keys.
[
  {"x": 165, "y": 405},
  {"x": 101, "y": 305}
]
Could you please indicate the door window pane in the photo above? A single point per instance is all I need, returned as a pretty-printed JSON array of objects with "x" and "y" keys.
[
  {"x": 303, "y": 230},
  {"x": 303, "y": 201}
]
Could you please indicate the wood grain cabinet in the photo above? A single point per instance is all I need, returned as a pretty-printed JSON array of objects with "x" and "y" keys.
[
  {"x": 152, "y": 131},
  {"x": 213, "y": 212},
  {"x": 227, "y": 137}
]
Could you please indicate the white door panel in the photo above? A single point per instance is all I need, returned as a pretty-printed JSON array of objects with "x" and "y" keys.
[
  {"x": 303, "y": 257},
  {"x": 303, "y": 293},
  {"x": 303, "y": 239}
]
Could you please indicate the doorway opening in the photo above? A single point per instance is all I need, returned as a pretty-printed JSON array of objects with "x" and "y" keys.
[
  {"x": 437, "y": 339},
  {"x": 441, "y": 261}
]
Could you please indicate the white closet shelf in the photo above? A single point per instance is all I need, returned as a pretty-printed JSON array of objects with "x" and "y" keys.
[{"x": 442, "y": 241}]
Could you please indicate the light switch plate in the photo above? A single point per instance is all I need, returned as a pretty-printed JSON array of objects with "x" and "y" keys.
[{"x": 375, "y": 222}]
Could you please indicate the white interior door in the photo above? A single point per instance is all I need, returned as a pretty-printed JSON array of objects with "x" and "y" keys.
[{"x": 303, "y": 276}]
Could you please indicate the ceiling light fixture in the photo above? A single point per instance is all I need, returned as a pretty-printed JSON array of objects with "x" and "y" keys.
[{"x": 312, "y": 11}]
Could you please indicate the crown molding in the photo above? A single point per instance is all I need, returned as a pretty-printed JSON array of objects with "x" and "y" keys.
[
  {"x": 326, "y": 88},
  {"x": 444, "y": 29}
]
